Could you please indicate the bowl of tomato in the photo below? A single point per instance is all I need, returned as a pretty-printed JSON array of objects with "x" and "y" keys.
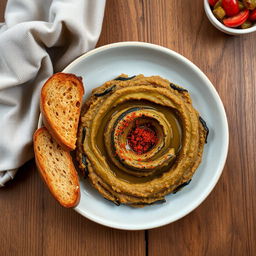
[{"x": 234, "y": 17}]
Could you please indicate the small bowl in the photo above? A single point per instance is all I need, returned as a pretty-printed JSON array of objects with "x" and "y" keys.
[{"x": 217, "y": 24}]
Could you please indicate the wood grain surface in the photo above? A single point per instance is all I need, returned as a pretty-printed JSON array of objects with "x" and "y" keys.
[{"x": 32, "y": 223}]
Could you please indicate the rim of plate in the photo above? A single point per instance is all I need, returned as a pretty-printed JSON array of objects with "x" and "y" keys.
[{"x": 223, "y": 118}]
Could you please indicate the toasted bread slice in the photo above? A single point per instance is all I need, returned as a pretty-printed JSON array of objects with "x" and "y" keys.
[
  {"x": 61, "y": 100},
  {"x": 57, "y": 169}
]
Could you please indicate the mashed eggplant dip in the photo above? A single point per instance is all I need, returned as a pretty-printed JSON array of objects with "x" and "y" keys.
[{"x": 139, "y": 139}]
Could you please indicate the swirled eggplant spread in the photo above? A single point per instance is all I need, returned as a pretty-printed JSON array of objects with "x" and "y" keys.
[{"x": 139, "y": 139}]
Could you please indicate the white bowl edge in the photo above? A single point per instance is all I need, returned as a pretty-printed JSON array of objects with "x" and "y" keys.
[{"x": 217, "y": 24}]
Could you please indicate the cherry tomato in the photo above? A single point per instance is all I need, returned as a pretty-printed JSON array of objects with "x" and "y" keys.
[
  {"x": 231, "y": 7},
  {"x": 237, "y": 20},
  {"x": 252, "y": 16},
  {"x": 212, "y": 2}
]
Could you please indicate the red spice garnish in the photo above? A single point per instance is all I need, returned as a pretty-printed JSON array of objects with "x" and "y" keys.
[
  {"x": 142, "y": 138},
  {"x": 122, "y": 145}
]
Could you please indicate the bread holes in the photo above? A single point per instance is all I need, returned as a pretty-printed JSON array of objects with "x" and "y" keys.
[
  {"x": 55, "y": 161},
  {"x": 65, "y": 93}
]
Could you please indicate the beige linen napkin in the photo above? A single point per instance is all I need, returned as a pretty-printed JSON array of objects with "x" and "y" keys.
[{"x": 38, "y": 38}]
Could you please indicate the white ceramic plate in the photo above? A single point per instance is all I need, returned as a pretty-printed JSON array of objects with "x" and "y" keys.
[{"x": 134, "y": 58}]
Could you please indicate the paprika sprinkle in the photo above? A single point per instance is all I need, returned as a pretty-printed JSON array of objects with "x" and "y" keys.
[{"x": 142, "y": 138}]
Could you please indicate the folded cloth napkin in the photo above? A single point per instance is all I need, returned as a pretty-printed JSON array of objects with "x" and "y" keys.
[{"x": 38, "y": 38}]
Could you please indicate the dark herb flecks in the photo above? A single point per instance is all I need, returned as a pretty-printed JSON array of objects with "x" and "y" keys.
[
  {"x": 114, "y": 201},
  {"x": 161, "y": 201},
  {"x": 177, "y": 88},
  {"x": 181, "y": 186},
  {"x": 108, "y": 90},
  {"x": 124, "y": 78},
  {"x": 83, "y": 134},
  {"x": 85, "y": 163},
  {"x": 205, "y": 127}
]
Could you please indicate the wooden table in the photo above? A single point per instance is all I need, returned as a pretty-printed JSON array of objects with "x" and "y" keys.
[{"x": 32, "y": 223}]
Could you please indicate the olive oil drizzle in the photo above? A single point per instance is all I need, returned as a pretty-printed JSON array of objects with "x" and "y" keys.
[{"x": 176, "y": 142}]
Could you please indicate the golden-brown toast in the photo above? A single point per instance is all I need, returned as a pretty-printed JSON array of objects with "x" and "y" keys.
[
  {"x": 57, "y": 169},
  {"x": 61, "y": 100}
]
